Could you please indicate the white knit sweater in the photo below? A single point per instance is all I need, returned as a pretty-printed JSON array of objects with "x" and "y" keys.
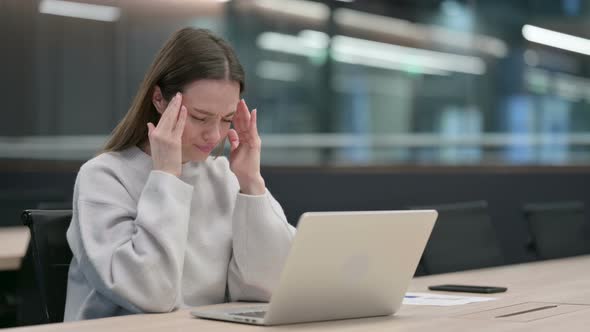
[{"x": 148, "y": 241}]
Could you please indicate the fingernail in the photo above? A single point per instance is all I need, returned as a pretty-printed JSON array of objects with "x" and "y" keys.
[{"x": 177, "y": 94}]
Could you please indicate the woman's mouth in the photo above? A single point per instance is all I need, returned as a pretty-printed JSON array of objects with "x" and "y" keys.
[{"x": 205, "y": 148}]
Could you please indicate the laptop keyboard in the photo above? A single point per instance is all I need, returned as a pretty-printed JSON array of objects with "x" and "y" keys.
[{"x": 256, "y": 314}]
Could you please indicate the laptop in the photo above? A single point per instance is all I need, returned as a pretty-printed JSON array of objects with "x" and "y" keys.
[{"x": 341, "y": 265}]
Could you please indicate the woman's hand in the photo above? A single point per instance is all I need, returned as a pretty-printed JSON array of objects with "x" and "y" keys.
[
  {"x": 244, "y": 157},
  {"x": 166, "y": 138}
]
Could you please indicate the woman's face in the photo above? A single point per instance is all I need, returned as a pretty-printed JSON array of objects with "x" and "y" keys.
[{"x": 211, "y": 105}]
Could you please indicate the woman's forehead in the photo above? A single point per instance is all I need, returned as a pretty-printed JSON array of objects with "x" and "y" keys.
[
  {"x": 213, "y": 87},
  {"x": 212, "y": 95}
]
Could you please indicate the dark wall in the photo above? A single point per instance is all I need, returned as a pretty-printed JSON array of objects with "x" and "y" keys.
[{"x": 323, "y": 189}]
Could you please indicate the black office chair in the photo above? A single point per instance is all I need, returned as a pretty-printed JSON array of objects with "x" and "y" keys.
[
  {"x": 558, "y": 229},
  {"x": 463, "y": 238},
  {"x": 51, "y": 257}
]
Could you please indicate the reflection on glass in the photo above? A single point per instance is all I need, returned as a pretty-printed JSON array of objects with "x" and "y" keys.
[{"x": 369, "y": 83}]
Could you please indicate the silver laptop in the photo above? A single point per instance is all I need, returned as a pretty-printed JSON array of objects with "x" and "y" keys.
[{"x": 341, "y": 265}]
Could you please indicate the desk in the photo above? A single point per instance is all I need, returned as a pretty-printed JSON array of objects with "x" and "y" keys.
[
  {"x": 14, "y": 242},
  {"x": 562, "y": 281}
]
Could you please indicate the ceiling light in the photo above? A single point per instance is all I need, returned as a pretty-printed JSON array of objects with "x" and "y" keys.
[{"x": 80, "y": 10}]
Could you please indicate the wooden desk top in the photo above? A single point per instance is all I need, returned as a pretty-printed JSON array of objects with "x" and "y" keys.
[
  {"x": 14, "y": 242},
  {"x": 556, "y": 281}
]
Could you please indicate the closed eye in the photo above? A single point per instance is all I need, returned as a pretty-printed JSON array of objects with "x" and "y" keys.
[{"x": 197, "y": 118}]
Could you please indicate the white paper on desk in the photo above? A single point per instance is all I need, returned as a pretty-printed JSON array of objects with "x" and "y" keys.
[{"x": 441, "y": 300}]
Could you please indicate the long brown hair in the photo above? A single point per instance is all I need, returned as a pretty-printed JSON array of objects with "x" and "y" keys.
[{"x": 189, "y": 54}]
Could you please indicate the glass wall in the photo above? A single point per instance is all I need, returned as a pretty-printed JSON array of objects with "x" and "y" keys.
[{"x": 362, "y": 82}]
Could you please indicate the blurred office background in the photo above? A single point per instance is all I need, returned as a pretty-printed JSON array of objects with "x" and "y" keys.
[
  {"x": 363, "y": 104},
  {"x": 365, "y": 82}
]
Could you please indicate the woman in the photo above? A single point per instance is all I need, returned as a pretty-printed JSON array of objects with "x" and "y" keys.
[{"x": 157, "y": 223}]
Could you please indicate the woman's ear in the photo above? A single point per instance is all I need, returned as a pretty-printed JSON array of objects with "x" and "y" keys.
[{"x": 158, "y": 100}]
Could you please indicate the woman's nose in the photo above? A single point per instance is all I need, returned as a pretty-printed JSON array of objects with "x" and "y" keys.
[{"x": 212, "y": 134}]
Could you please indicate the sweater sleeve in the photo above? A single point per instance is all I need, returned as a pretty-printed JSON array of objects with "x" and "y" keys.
[
  {"x": 261, "y": 242},
  {"x": 131, "y": 252}
]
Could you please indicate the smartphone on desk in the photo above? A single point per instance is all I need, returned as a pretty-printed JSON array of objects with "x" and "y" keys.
[{"x": 468, "y": 288}]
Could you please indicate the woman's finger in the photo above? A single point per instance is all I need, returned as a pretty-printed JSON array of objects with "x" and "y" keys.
[
  {"x": 253, "y": 120},
  {"x": 255, "y": 138},
  {"x": 244, "y": 120},
  {"x": 236, "y": 118},
  {"x": 170, "y": 115},
  {"x": 179, "y": 128}
]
